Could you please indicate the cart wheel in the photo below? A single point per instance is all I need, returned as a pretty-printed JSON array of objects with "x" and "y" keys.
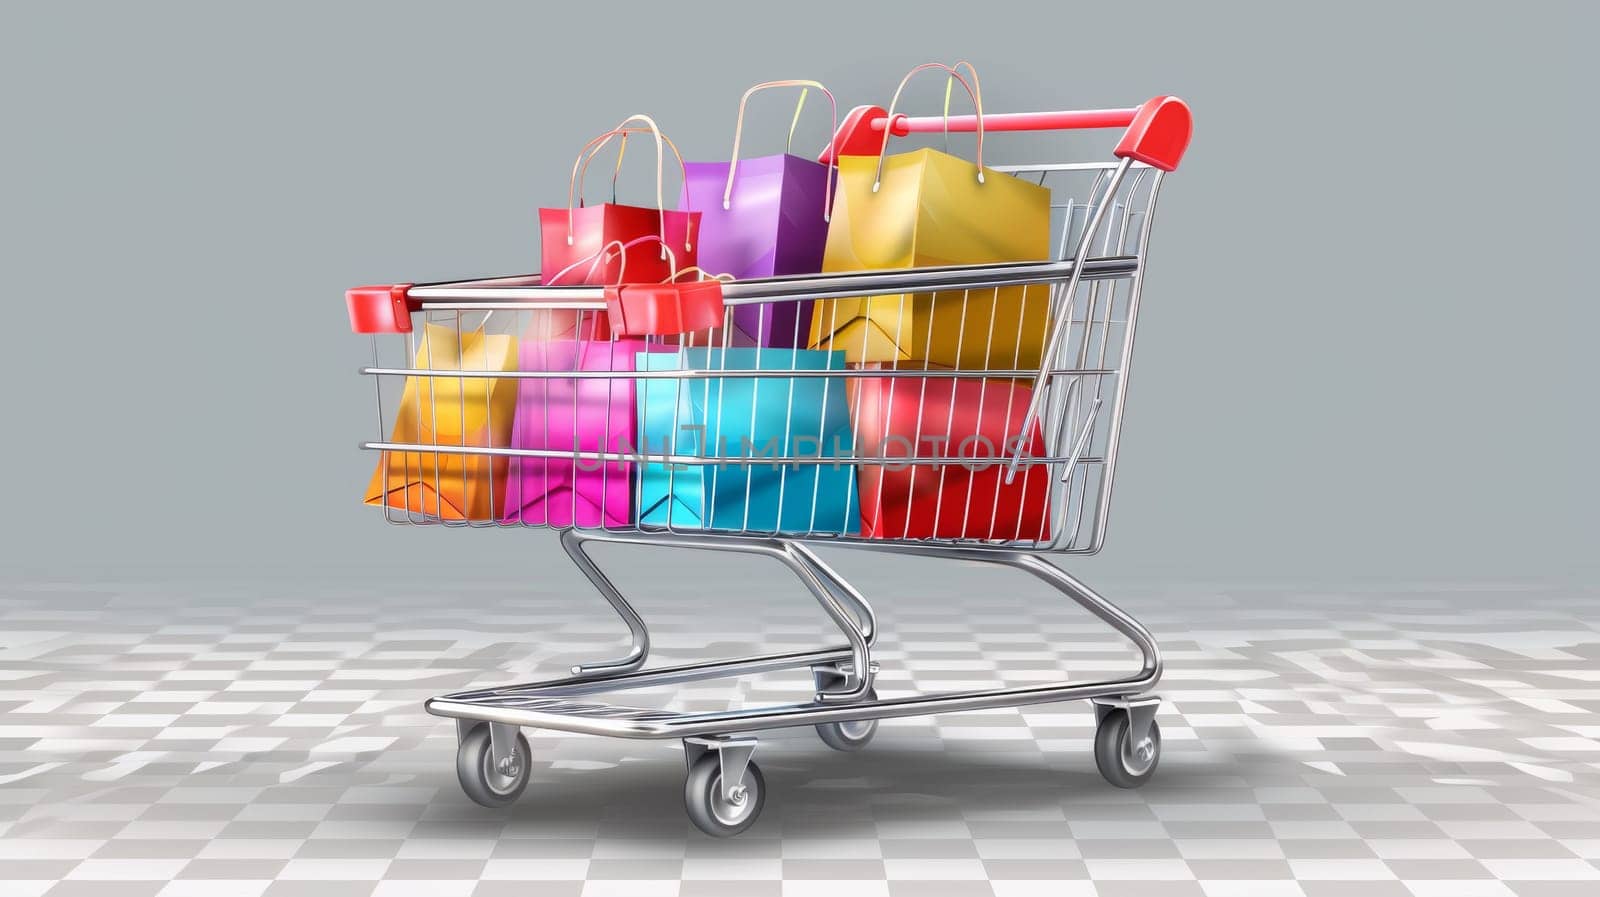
[
  {"x": 850, "y": 735},
  {"x": 1123, "y": 763},
  {"x": 710, "y": 810},
  {"x": 483, "y": 783}
]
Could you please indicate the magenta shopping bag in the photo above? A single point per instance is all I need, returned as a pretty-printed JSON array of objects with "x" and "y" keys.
[
  {"x": 760, "y": 218},
  {"x": 573, "y": 414}
]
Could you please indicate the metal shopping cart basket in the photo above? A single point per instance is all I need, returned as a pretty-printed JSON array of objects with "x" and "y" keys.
[{"x": 1101, "y": 221}]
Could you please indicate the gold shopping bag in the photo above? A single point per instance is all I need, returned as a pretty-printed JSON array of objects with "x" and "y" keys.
[
  {"x": 930, "y": 209},
  {"x": 451, "y": 411}
]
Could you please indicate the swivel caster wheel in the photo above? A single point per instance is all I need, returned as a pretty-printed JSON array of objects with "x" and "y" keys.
[
  {"x": 719, "y": 812},
  {"x": 489, "y": 783},
  {"x": 1125, "y": 760},
  {"x": 850, "y": 735}
]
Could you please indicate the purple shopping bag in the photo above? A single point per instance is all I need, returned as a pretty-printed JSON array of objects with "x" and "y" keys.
[
  {"x": 572, "y": 414},
  {"x": 762, "y": 217}
]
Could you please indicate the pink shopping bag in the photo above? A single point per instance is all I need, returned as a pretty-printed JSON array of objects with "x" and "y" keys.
[
  {"x": 571, "y": 414},
  {"x": 592, "y": 414}
]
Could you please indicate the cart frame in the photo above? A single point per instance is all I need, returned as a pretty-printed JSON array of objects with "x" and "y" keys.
[{"x": 724, "y": 791}]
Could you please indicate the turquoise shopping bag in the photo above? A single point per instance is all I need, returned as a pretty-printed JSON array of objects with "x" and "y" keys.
[{"x": 734, "y": 421}]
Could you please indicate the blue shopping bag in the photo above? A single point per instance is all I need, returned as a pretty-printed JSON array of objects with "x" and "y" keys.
[{"x": 725, "y": 419}]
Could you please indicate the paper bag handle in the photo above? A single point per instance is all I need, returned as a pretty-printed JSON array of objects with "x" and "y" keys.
[
  {"x": 701, "y": 274},
  {"x": 949, "y": 86},
  {"x": 597, "y": 144},
  {"x": 738, "y": 132},
  {"x": 596, "y": 257},
  {"x": 592, "y": 151},
  {"x": 977, "y": 105}
]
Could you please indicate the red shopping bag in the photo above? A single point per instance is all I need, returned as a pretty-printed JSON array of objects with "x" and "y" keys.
[
  {"x": 576, "y": 233},
  {"x": 943, "y": 417}
]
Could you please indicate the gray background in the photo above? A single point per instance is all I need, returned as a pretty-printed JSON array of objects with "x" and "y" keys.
[{"x": 1365, "y": 353}]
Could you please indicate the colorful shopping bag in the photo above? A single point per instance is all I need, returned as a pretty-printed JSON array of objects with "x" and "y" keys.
[
  {"x": 927, "y": 208},
  {"x": 762, "y": 217},
  {"x": 591, "y": 414},
  {"x": 574, "y": 415},
  {"x": 724, "y": 419},
  {"x": 573, "y": 235},
  {"x": 451, "y": 411},
  {"x": 943, "y": 417}
]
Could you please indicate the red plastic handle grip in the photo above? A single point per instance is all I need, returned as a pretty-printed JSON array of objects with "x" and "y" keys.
[
  {"x": 1157, "y": 132},
  {"x": 379, "y": 309},
  {"x": 663, "y": 309}
]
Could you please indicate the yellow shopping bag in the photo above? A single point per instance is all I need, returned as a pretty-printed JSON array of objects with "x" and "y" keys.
[
  {"x": 931, "y": 208},
  {"x": 451, "y": 411}
]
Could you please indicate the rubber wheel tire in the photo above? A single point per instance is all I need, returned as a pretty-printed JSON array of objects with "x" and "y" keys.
[
  {"x": 709, "y": 810},
  {"x": 480, "y": 780},
  {"x": 852, "y": 735},
  {"x": 1118, "y": 760}
]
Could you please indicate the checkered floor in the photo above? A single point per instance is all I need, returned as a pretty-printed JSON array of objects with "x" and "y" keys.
[{"x": 250, "y": 739}]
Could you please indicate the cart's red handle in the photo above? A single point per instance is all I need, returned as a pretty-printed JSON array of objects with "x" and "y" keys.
[
  {"x": 380, "y": 309},
  {"x": 1011, "y": 121},
  {"x": 1157, "y": 132}
]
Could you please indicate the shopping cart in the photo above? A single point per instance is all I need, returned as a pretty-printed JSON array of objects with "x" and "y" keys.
[{"x": 1101, "y": 213}]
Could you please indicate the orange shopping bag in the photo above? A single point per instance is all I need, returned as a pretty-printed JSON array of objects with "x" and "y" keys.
[{"x": 451, "y": 411}]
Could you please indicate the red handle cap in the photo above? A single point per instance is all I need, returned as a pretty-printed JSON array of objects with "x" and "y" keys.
[
  {"x": 855, "y": 136},
  {"x": 662, "y": 309},
  {"x": 379, "y": 309},
  {"x": 1159, "y": 133}
]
